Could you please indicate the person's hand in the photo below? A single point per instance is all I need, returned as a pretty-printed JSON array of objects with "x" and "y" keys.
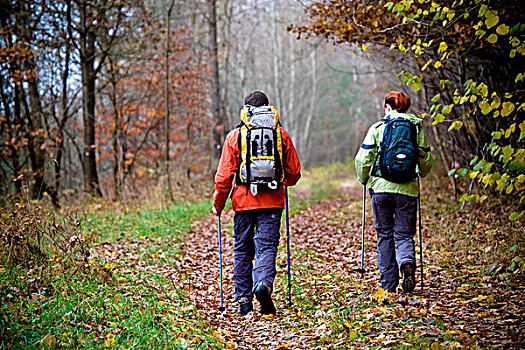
[{"x": 214, "y": 211}]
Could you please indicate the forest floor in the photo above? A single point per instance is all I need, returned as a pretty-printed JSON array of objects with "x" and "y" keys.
[
  {"x": 153, "y": 282},
  {"x": 334, "y": 308}
]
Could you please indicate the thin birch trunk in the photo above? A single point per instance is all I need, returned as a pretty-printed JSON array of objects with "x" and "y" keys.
[{"x": 313, "y": 105}]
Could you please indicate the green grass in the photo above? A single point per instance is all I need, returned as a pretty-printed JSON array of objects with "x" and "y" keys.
[
  {"x": 153, "y": 222},
  {"x": 115, "y": 301}
]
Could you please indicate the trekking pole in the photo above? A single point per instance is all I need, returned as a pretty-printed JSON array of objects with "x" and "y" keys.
[
  {"x": 288, "y": 246},
  {"x": 362, "y": 270},
  {"x": 420, "y": 239},
  {"x": 221, "y": 308}
]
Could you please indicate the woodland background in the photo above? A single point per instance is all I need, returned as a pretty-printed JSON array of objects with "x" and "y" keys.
[
  {"x": 110, "y": 97},
  {"x": 105, "y": 97}
]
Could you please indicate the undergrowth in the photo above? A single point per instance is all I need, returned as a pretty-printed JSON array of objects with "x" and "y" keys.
[
  {"x": 85, "y": 281},
  {"x": 480, "y": 234}
]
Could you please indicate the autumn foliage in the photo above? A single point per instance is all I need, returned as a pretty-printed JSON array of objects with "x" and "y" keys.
[
  {"x": 83, "y": 99},
  {"x": 131, "y": 123},
  {"x": 464, "y": 60}
]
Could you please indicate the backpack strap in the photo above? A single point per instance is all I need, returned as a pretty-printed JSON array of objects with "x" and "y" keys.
[
  {"x": 384, "y": 121},
  {"x": 278, "y": 156},
  {"x": 248, "y": 159},
  {"x": 239, "y": 145},
  {"x": 245, "y": 114},
  {"x": 375, "y": 165}
]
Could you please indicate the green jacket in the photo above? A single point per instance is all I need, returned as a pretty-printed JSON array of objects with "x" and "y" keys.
[{"x": 364, "y": 160}]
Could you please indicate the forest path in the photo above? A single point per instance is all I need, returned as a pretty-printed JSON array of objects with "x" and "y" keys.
[{"x": 332, "y": 306}]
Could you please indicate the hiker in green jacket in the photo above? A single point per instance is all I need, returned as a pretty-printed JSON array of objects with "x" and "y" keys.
[{"x": 392, "y": 161}]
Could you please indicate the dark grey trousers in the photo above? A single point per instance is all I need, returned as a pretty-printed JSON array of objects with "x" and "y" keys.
[
  {"x": 395, "y": 222},
  {"x": 256, "y": 234}
]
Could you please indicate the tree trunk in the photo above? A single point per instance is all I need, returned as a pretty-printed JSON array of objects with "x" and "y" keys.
[
  {"x": 291, "y": 112},
  {"x": 65, "y": 110},
  {"x": 313, "y": 106},
  {"x": 226, "y": 34},
  {"x": 167, "y": 103},
  {"x": 87, "y": 62},
  {"x": 218, "y": 131},
  {"x": 277, "y": 59},
  {"x": 37, "y": 152},
  {"x": 117, "y": 185},
  {"x": 15, "y": 119},
  {"x": 34, "y": 113}
]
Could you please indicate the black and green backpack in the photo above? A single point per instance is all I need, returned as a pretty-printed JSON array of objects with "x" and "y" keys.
[{"x": 398, "y": 151}]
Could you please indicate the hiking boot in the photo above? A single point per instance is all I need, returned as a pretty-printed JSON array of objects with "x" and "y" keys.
[
  {"x": 264, "y": 295},
  {"x": 245, "y": 306},
  {"x": 408, "y": 271}
]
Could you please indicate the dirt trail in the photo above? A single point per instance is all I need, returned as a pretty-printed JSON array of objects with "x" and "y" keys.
[
  {"x": 310, "y": 231},
  {"x": 326, "y": 241}
]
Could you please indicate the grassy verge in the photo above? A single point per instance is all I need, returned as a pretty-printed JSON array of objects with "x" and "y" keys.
[
  {"x": 480, "y": 235},
  {"x": 126, "y": 293}
]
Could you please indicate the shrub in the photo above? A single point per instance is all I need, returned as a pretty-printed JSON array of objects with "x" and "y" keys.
[{"x": 38, "y": 248}]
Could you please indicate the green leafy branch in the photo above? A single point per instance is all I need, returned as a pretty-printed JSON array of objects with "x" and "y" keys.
[{"x": 506, "y": 173}]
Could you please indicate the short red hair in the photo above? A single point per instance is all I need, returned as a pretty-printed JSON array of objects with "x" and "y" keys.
[{"x": 399, "y": 101}]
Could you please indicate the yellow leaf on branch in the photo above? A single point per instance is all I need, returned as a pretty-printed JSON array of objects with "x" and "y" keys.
[
  {"x": 442, "y": 47},
  {"x": 491, "y": 18},
  {"x": 507, "y": 108},
  {"x": 492, "y": 38},
  {"x": 427, "y": 64},
  {"x": 502, "y": 29}
]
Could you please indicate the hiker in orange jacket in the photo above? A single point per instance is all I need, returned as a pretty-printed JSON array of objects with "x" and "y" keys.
[{"x": 257, "y": 216}]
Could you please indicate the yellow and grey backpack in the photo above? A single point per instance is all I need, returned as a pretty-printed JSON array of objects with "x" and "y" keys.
[{"x": 261, "y": 149}]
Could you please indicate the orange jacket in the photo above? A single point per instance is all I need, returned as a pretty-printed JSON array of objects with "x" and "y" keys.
[{"x": 228, "y": 166}]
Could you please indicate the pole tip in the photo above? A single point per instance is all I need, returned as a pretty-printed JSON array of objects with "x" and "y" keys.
[{"x": 221, "y": 309}]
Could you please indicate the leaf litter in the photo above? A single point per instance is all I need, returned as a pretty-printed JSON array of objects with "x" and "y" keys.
[{"x": 332, "y": 306}]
